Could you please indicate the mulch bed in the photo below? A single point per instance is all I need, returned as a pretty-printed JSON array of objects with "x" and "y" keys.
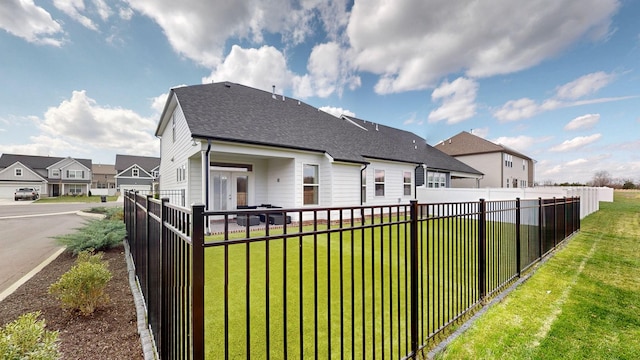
[{"x": 110, "y": 333}]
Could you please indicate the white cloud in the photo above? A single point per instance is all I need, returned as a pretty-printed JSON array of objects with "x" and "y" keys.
[
  {"x": 576, "y": 143},
  {"x": 267, "y": 66},
  {"x": 411, "y": 44},
  {"x": 81, "y": 121},
  {"x": 104, "y": 11},
  {"x": 199, "y": 29},
  {"x": 584, "y": 122},
  {"x": 24, "y": 19},
  {"x": 337, "y": 111},
  {"x": 458, "y": 101},
  {"x": 260, "y": 68},
  {"x": 566, "y": 96},
  {"x": 125, "y": 13},
  {"x": 481, "y": 132},
  {"x": 577, "y": 162},
  {"x": 328, "y": 73},
  {"x": 412, "y": 119},
  {"x": 585, "y": 85},
  {"x": 74, "y": 8},
  {"x": 519, "y": 143}
]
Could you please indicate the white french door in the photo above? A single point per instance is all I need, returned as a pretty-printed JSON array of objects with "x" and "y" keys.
[{"x": 229, "y": 190}]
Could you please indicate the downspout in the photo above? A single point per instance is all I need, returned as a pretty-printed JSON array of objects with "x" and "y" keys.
[
  {"x": 415, "y": 183},
  {"x": 206, "y": 175},
  {"x": 361, "y": 171}
]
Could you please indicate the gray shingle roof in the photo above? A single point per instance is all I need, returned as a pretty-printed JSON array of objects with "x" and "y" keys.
[
  {"x": 148, "y": 163},
  {"x": 233, "y": 112},
  {"x": 36, "y": 162},
  {"x": 465, "y": 143}
]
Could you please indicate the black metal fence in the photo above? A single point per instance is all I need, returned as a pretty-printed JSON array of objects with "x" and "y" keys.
[{"x": 362, "y": 282}]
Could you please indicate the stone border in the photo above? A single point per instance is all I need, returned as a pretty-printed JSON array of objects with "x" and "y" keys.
[{"x": 149, "y": 349}]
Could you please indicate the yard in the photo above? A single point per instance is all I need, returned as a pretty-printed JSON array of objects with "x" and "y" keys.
[
  {"x": 345, "y": 294},
  {"x": 74, "y": 199},
  {"x": 584, "y": 303}
]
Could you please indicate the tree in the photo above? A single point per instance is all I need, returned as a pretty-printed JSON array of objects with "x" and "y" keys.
[
  {"x": 628, "y": 184},
  {"x": 601, "y": 178}
]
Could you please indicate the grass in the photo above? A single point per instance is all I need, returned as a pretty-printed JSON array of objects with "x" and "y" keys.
[
  {"x": 584, "y": 303},
  {"x": 74, "y": 199},
  {"x": 319, "y": 271}
]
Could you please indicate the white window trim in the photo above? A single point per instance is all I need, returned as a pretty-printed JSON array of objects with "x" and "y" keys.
[
  {"x": 376, "y": 182},
  {"x": 404, "y": 183},
  {"x": 316, "y": 184},
  {"x": 18, "y": 171},
  {"x": 135, "y": 172}
]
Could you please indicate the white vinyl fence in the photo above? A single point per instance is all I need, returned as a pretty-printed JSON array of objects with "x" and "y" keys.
[{"x": 590, "y": 197}]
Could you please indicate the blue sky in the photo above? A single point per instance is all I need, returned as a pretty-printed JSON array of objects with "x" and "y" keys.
[{"x": 554, "y": 79}]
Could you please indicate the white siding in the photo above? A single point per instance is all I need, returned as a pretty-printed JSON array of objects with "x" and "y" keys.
[
  {"x": 346, "y": 184},
  {"x": 175, "y": 154},
  {"x": 281, "y": 183},
  {"x": 393, "y": 183}
]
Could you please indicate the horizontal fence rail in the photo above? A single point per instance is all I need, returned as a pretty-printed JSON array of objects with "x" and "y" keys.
[{"x": 360, "y": 282}]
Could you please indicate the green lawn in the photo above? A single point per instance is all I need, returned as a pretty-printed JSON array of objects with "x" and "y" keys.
[
  {"x": 371, "y": 280},
  {"x": 584, "y": 303},
  {"x": 74, "y": 199}
]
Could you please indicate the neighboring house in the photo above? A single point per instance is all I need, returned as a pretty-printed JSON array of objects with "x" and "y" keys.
[
  {"x": 503, "y": 167},
  {"x": 136, "y": 172},
  {"x": 229, "y": 145},
  {"x": 103, "y": 181},
  {"x": 50, "y": 176}
]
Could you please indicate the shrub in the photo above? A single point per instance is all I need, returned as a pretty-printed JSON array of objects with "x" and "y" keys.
[
  {"x": 96, "y": 235},
  {"x": 26, "y": 338},
  {"x": 82, "y": 288}
]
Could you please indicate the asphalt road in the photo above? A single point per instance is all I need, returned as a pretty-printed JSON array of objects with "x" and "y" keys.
[{"x": 26, "y": 231}]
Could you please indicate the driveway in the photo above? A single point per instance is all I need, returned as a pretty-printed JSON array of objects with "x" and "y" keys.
[{"x": 27, "y": 232}]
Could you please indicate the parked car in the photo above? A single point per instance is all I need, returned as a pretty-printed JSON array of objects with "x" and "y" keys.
[{"x": 26, "y": 194}]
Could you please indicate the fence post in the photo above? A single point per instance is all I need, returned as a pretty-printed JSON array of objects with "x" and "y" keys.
[
  {"x": 134, "y": 248},
  {"x": 540, "y": 226},
  {"x": 164, "y": 285},
  {"x": 147, "y": 236},
  {"x": 566, "y": 218},
  {"x": 197, "y": 281},
  {"x": 518, "y": 236},
  {"x": 414, "y": 277},
  {"x": 482, "y": 249},
  {"x": 555, "y": 223}
]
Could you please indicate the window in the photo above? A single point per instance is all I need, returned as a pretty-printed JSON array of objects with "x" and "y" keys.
[
  {"x": 55, "y": 173},
  {"x": 407, "y": 182},
  {"x": 379, "y": 182},
  {"x": 363, "y": 193},
  {"x": 173, "y": 127},
  {"x": 74, "y": 189},
  {"x": 181, "y": 173},
  {"x": 75, "y": 174},
  {"x": 524, "y": 164},
  {"x": 508, "y": 160},
  {"x": 18, "y": 171},
  {"x": 311, "y": 185},
  {"x": 436, "y": 179},
  {"x": 135, "y": 172}
]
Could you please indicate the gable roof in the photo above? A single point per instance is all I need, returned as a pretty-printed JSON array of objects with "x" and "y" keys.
[
  {"x": 466, "y": 143},
  {"x": 237, "y": 113},
  {"x": 37, "y": 162},
  {"x": 147, "y": 163},
  {"x": 103, "y": 169}
]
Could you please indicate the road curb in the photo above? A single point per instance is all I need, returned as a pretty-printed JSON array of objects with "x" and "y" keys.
[{"x": 30, "y": 274}]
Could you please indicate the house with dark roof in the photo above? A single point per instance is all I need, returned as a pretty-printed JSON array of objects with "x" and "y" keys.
[
  {"x": 50, "y": 176},
  {"x": 229, "y": 145},
  {"x": 136, "y": 172},
  {"x": 503, "y": 167}
]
